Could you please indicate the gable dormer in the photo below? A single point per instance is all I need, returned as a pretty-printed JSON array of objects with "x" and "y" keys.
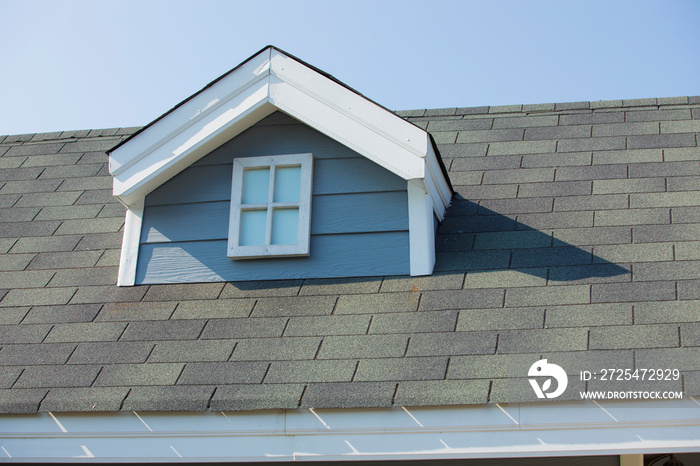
[{"x": 276, "y": 170}]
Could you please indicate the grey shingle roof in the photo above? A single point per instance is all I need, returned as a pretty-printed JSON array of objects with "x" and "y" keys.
[{"x": 573, "y": 235}]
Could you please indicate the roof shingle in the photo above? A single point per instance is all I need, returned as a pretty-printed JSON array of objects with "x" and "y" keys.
[{"x": 573, "y": 236}]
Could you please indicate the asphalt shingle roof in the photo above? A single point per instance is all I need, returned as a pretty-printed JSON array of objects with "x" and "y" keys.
[{"x": 573, "y": 235}]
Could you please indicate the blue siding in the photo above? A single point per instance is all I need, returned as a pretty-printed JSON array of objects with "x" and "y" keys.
[
  {"x": 344, "y": 213},
  {"x": 331, "y": 256},
  {"x": 195, "y": 184},
  {"x": 359, "y": 214},
  {"x": 331, "y": 176},
  {"x": 277, "y": 134},
  {"x": 185, "y": 222},
  {"x": 356, "y": 175}
]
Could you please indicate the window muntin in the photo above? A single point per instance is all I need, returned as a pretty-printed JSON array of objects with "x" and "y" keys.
[{"x": 270, "y": 206}]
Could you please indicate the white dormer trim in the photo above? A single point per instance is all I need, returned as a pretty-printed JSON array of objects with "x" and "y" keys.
[
  {"x": 269, "y": 81},
  {"x": 130, "y": 244},
  {"x": 421, "y": 230}
]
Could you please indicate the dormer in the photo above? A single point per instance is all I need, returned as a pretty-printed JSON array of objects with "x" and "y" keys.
[{"x": 276, "y": 171}]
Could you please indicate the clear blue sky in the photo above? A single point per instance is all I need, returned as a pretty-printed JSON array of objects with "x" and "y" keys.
[{"x": 78, "y": 64}]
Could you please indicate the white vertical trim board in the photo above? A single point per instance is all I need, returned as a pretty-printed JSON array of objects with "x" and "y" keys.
[
  {"x": 130, "y": 244},
  {"x": 420, "y": 230}
]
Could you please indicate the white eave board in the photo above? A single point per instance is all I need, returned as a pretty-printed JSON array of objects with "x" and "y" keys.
[
  {"x": 187, "y": 113},
  {"x": 400, "y": 433},
  {"x": 268, "y": 81}
]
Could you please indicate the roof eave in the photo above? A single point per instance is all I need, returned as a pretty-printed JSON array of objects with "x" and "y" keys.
[{"x": 271, "y": 80}]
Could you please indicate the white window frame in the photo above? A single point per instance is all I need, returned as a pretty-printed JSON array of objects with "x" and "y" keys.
[{"x": 267, "y": 250}]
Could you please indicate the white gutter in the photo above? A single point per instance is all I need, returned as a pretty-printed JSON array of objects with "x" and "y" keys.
[{"x": 491, "y": 431}]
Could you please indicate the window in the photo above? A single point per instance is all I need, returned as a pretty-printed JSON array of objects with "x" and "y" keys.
[{"x": 270, "y": 206}]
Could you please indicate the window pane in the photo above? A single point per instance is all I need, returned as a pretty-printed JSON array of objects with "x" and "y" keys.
[
  {"x": 253, "y": 226},
  {"x": 256, "y": 184},
  {"x": 287, "y": 184},
  {"x": 285, "y": 224}
]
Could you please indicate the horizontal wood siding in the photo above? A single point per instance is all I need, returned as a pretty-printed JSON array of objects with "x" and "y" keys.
[
  {"x": 195, "y": 184},
  {"x": 331, "y": 256},
  {"x": 355, "y": 175},
  {"x": 277, "y": 134},
  {"x": 331, "y": 176},
  {"x": 344, "y": 213},
  {"x": 359, "y": 214},
  {"x": 185, "y": 222}
]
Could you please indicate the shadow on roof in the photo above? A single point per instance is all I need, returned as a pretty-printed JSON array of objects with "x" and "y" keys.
[{"x": 473, "y": 238}]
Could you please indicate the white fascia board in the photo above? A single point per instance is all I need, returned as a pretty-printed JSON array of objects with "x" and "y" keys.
[
  {"x": 435, "y": 186},
  {"x": 192, "y": 109},
  {"x": 429, "y": 185},
  {"x": 185, "y": 147},
  {"x": 441, "y": 193},
  {"x": 347, "y": 117},
  {"x": 190, "y": 131},
  {"x": 438, "y": 433},
  {"x": 354, "y": 105},
  {"x": 267, "y": 82}
]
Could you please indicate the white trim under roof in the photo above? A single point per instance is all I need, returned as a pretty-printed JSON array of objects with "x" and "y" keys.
[
  {"x": 454, "y": 432},
  {"x": 270, "y": 81}
]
